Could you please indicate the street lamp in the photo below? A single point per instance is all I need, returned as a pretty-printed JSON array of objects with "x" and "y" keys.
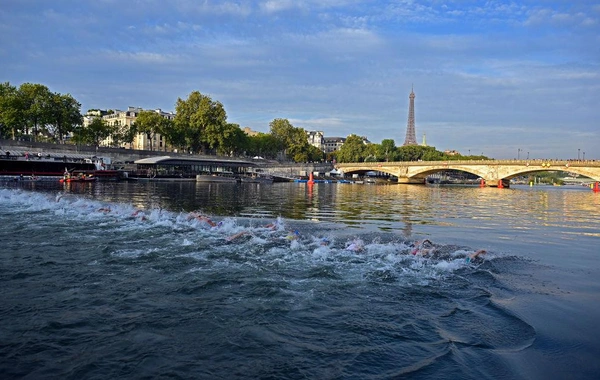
[
  {"x": 584, "y": 156},
  {"x": 528, "y": 155},
  {"x": 578, "y": 153},
  {"x": 519, "y": 154}
]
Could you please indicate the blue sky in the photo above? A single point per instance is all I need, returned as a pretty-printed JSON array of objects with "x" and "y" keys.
[{"x": 502, "y": 78}]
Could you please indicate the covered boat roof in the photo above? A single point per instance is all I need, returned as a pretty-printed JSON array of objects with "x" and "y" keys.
[{"x": 168, "y": 160}]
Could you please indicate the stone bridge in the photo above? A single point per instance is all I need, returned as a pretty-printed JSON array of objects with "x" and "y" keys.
[{"x": 493, "y": 172}]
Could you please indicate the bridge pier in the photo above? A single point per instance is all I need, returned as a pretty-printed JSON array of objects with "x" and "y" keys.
[
  {"x": 411, "y": 181},
  {"x": 499, "y": 183}
]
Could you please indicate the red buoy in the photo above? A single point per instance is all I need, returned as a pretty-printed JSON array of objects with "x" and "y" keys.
[
  {"x": 482, "y": 183},
  {"x": 310, "y": 179},
  {"x": 596, "y": 188},
  {"x": 500, "y": 184}
]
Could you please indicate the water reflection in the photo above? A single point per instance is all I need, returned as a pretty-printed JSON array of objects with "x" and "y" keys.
[{"x": 384, "y": 208}]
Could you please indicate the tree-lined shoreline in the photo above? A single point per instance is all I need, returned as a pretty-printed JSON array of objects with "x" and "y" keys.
[{"x": 200, "y": 126}]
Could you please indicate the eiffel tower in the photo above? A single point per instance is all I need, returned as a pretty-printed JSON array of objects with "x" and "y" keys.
[{"x": 411, "y": 137}]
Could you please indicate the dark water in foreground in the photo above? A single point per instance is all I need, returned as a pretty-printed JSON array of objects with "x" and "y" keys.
[{"x": 90, "y": 290}]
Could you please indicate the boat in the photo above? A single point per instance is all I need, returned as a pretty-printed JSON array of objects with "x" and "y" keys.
[
  {"x": 166, "y": 168},
  {"x": 221, "y": 177},
  {"x": 52, "y": 166},
  {"x": 79, "y": 178}
]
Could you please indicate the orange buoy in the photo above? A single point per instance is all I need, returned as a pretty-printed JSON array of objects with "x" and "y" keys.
[
  {"x": 500, "y": 184},
  {"x": 482, "y": 183},
  {"x": 310, "y": 179},
  {"x": 596, "y": 187}
]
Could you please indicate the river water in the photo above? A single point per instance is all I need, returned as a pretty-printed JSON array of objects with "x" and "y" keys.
[{"x": 117, "y": 280}]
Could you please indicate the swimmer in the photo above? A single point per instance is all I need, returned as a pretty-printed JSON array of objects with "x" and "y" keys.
[
  {"x": 137, "y": 213},
  {"x": 423, "y": 248},
  {"x": 271, "y": 226},
  {"x": 475, "y": 255},
  {"x": 104, "y": 209},
  {"x": 235, "y": 236},
  {"x": 355, "y": 245},
  {"x": 293, "y": 235},
  {"x": 202, "y": 218}
]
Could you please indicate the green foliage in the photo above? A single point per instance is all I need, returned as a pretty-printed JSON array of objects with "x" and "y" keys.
[
  {"x": 199, "y": 120},
  {"x": 386, "y": 151},
  {"x": 292, "y": 141},
  {"x": 10, "y": 111},
  {"x": 33, "y": 111},
  {"x": 93, "y": 134},
  {"x": 65, "y": 116},
  {"x": 353, "y": 150},
  {"x": 152, "y": 123},
  {"x": 263, "y": 145}
]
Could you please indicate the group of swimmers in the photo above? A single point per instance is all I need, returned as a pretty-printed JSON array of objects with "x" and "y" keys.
[{"x": 423, "y": 248}]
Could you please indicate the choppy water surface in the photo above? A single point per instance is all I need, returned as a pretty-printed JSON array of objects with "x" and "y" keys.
[{"x": 116, "y": 280}]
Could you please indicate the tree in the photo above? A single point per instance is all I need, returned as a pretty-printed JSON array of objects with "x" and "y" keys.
[
  {"x": 232, "y": 140},
  {"x": 315, "y": 154},
  {"x": 150, "y": 123},
  {"x": 173, "y": 135},
  {"x": 264, "y": 145},
  {"x": 386, "y": 151},
  {"x": 353, "y": 150},
  {"x": 282, "y": 130},
  {"x": 122, "y": 134},
  {"x": 64, "y": 116},
  {"x": 10, "y": 111},
  {"x": 195, "y": 116},
  {"x": 94, "y": 133},
  {"x": 36, "y": 105}
]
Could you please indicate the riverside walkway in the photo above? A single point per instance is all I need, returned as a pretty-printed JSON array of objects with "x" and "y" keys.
[{"x": 493, "y": 172}]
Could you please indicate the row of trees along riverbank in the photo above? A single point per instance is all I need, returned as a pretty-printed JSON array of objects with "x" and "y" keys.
[{"x": 33, "y": 112}]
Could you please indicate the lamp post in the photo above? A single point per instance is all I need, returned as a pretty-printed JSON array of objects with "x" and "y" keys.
[
  {"x": 584, "y": 156},
  {"x": 519, "y": 154},
  {"x": 578, "y": 153},
  {"x": 528, "y": 155}
]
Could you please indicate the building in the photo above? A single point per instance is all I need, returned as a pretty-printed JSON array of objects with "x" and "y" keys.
[
  {"x": 124, "y": 120},
  {"x": 332, "y": 144},
  {"x": 248, "y": 131},
  {"x": 316, "y": 139}
]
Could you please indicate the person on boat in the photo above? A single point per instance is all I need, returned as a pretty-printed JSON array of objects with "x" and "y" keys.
[{"x": 475, "y": 255}]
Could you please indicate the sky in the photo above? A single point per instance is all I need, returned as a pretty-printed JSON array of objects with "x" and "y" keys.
[{"x": 506, "y": 79}]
